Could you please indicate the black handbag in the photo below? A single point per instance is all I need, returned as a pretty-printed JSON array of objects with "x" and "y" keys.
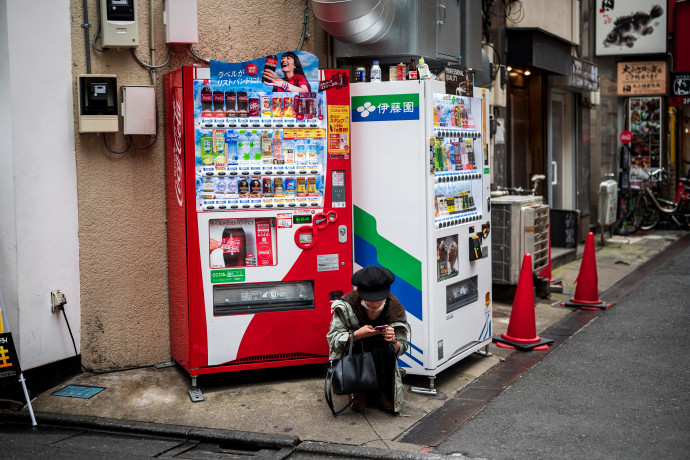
[{"x": 353, "y": 373}]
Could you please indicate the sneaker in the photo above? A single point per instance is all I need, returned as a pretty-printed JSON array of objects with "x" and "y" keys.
[
  {"x": 385, "y": 402},
  {"x": 359, "y": 402}
]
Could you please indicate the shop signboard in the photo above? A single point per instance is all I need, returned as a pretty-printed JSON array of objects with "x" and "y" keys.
[
  {"x": 680, "y": 88},
  {"x": 642, "y": 78},
  {"x": 630, "y": 27}
]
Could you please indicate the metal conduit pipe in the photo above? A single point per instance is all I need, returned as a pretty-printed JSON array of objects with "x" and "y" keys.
[{"x": 357, "y": 21}]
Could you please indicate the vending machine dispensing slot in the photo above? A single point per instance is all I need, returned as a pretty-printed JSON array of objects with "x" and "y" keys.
[{"x": 262, "y": 298}]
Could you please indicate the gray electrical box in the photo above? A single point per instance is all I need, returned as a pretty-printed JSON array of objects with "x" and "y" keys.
[
  {"x": 119, "y": 24},
  {"x": 97, "y": 95},
  {"x": 139, "y": 109}
]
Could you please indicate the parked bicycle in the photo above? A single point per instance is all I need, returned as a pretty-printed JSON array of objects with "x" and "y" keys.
[
  {"x": 655, "y": 207},
  {"x": 535, "y": 179}
]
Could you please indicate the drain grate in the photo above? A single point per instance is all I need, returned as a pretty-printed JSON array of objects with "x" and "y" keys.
[{"x": 78, "y": 391}]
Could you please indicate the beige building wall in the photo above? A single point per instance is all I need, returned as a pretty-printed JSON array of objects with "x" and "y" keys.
[
  {"x": 121, "y": 197},
  {"x": 558, "y": 17}
]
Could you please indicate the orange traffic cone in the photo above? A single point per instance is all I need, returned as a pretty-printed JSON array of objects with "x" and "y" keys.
[
  {"x": 587, "y": 289},
  {"x": 522, "y": 327}
]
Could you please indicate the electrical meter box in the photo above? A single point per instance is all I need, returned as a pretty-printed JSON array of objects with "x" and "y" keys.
[
  {"x": 119, "y": 24},
  {"x": 139, "y": 109},
  {"x": 97, "y": 103}
]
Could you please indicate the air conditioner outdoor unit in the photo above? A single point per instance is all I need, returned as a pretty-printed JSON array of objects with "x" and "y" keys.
[
  {"x": 608, "y": 202},
  {"x": 520, "y": 225}
]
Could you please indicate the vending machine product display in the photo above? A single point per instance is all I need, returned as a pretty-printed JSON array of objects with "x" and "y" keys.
[
  {"x": 421, "y": 208},
  {"x": 258, "y": 211}
]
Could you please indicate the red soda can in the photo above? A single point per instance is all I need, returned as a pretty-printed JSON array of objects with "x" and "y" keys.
[
  {"x": 254, "y": 108},
  {"x": 401, "y": 71}
]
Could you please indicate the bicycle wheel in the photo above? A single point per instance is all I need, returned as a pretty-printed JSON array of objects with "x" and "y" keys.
[
  {"x": 651, "y": 219},
  {"x": 636, "y": 209}
]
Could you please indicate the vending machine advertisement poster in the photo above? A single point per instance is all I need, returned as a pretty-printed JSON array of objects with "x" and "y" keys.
[
  {"x": 447, "y": 257},
  {"x": 259, "y": 215}
]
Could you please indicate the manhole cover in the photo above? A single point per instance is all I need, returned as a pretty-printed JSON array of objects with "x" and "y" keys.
[{"x": 78, "y": 391}]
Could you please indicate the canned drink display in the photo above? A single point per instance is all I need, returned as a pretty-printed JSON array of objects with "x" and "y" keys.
[
  {"x": 254, "y": 107},
  {"x": 402, "y": 68},
  {"x": 266, "y": 111},
  {"x": 277, "y": 106},
  {"x": 360, "y": 74},
  {"x": 278, "y": 187},
  {"x": 301, "y": 187},
  {"x": 289, "y": 186},
  {"x": 267, "y": 186},
  {"x": 288, "y": 109},
  {"x": 311, "y": 187}
]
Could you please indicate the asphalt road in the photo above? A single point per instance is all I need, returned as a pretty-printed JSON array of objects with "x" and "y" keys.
[{"x": 620, "y": 388}]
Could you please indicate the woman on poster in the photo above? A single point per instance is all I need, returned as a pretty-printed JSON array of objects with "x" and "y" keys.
[{"x": 294, "y": 80}]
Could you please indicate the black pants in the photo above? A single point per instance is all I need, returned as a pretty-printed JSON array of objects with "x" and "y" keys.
[{"x": 384, "y": 359}]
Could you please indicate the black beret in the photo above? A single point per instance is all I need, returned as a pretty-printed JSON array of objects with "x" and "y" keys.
[{"x": 373, "y": 283}]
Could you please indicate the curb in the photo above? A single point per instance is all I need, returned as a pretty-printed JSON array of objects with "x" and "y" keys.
[
  {"x": 287, "y": 445},
  {"x": 238, "y": 438}
]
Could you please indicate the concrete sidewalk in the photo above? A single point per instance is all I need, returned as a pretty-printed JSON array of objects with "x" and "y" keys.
[{"x": 287, "y": 405}]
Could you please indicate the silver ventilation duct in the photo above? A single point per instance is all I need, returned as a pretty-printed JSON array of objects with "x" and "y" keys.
[
  {"x": 394, "y": 31},
  {"x": 359, "y": 22}
]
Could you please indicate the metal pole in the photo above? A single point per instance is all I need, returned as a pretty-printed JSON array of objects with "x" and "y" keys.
[{"x": 28, "y": 401}]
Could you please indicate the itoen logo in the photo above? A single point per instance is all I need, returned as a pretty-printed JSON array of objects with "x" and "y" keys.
[{"x": 177, "y": 149}]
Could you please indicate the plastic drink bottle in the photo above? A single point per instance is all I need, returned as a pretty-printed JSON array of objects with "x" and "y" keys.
[
  {"x": 265, "y": 141},
  {"x": 423, "y": 70},
  {"x": 375, "y": 73},
  {"x": 231, "y": 141},
  {"x": 312, "y": 153},
  {"x": 277, "y": 148},
  {"x": 289, "y": 152},
  {"x": 243, "y": 151},
  {"x": 300, "y": 153},
  {"x": 254, "y": 148},
  {"x": 206, "y": 145}
]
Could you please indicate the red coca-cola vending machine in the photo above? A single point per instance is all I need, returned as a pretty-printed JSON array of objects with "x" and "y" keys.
[{"x": 259, "y": 212}]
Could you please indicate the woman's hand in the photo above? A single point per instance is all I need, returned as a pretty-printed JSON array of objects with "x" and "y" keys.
[
  {"x": 389, "y": 334},
  {"x": 273, "y": 78},
  {"x": 364, "y": 332}
]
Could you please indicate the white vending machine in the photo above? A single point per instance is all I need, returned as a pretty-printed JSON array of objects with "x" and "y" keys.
[{"x": 421, "y": 208}]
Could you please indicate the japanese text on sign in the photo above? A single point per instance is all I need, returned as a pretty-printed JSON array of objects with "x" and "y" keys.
[{"x": 641, "y": 78}]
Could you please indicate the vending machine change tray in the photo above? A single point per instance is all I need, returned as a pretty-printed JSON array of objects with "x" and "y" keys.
[{"x": 262, "y": 297}]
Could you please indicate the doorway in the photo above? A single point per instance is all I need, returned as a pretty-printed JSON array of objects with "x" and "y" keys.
[{"x": 563, "y": 173}]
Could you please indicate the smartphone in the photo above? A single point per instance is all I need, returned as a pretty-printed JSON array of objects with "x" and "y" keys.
[{"x": 381, "y": 328}]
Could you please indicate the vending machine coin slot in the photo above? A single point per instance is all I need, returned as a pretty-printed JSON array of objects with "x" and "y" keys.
[
  {"x": 305, "y": 237},
  {"x": 475, "y": 248}
]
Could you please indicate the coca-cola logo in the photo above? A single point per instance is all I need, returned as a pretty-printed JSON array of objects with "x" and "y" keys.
[
  {"x": 243, "y": 98},
  {"x": 218, "y": 97},
  {"x": 206, "y": 97},
  {"x": 252, "y": 69},
  {"x": 265, "y": 252},
  {"x": 177, "y": 149}
]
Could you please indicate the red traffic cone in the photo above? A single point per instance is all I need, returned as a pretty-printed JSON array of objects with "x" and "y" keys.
[
  {"x": 587, "y": 289},
  {"x": 522, "y": 327}
]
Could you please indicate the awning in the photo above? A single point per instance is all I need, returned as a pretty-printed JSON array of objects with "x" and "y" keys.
[{"x": 537, "y": 48}]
